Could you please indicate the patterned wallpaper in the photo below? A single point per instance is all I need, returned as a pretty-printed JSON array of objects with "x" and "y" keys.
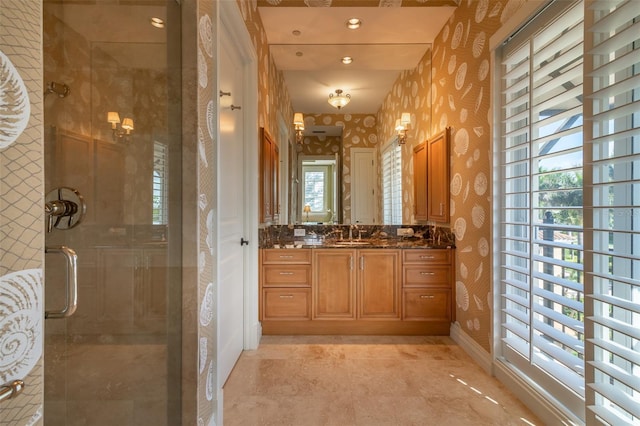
[
  {"x": 21, "y": 225},
  {"x": 462, "y": 99},
  {"x": 273, "y": 97},
  {"x": 207, "y": 190}
]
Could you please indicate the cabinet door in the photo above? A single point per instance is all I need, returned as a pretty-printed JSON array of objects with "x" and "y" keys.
[
  {"x": 438, "y": 178},
  {"x": 151, "y": 298},
  {"x": 379, "y": 284},
  {"x": 266, "y": 176},
  {"x": 117, "y": 283},
  {"x": 420, "y": 181},
  {"x": 334, "y": 284}
]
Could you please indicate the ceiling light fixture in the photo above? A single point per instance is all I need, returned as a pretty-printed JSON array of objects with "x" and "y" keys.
[
  {"x": 402, "y": 125},
  {"x": 338, "y": 100},
  {"x": 157, "y": 22},
  {"x": 347, "y": 60},
  {"x": 354, "y": 23},
  {"x": 298, "y": 124}
]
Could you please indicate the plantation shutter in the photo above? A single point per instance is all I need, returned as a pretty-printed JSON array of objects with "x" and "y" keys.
[
  {"x": 612, "y": 94},
  {"x": 541, "y": 238}
]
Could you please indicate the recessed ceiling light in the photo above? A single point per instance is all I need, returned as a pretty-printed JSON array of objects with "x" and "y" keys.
[
  {"x": 354, "y": 23},
  {"x": 157, "y": 22},
  {"x": 347, "y": 60}
]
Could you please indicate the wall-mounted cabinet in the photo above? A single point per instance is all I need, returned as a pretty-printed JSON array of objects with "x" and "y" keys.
[
  {"x": 269, "y": 178},
  {"x": 438, "y": 177}
]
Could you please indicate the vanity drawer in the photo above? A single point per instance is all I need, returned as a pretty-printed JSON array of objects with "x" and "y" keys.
[
  {"x": 286, "y": 304},
  {"x": 426, "y": 304},
  {"x": 286, "y": 256},
  {"x": 426, "y": 275},
  {"x": 442, "y": 256},
  {"x": 286, "y": 275}
]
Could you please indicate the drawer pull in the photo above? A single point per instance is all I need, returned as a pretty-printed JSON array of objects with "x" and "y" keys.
[
  {"x": 427, "y": 296},
  {"x": 286, "y": 256},
  {"x": 424, "y": 256},
  {"x": 286, "y": 296},
  {"x": 427, "y": 273},
  {"x": 286, "y": 273}
]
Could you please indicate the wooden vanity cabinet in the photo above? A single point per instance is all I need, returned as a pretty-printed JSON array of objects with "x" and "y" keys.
[
  {"x": 285, "y": 284},
  {"x": 427, "y": 290},
  {"x": 356, "y": 291}
]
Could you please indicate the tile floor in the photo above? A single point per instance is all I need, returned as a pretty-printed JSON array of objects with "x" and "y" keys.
[{"x": 365, "y": 380}]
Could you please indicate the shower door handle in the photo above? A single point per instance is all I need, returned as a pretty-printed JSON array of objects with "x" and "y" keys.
[
  {"x": 71, "y": 261},
  {"x": 11, "y": 390}
]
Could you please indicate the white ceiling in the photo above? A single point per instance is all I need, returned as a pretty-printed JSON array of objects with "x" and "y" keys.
[{"x": 389, "y": 41}]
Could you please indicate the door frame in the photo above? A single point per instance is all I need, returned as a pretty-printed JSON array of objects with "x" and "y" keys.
[{"x": 231, "y": 17}]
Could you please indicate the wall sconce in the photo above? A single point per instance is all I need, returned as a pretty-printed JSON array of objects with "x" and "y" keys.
[
  {"x": 339, "y": 100},
  {"x": 402, "y": 125},
  {"x": 298, "y": 124},
  {"x": 307, "y": 210},
  {"x": 125, "y": 128}
]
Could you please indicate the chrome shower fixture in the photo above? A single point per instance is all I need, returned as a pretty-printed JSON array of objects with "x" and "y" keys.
[{"x": 60, "y": 89}]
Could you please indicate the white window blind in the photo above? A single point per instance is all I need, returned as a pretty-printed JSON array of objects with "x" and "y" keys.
[
  {"x": 541, "y": 221},
  {"x": 613, "y": 142},
  {"x": 160, "y": 196},
  {"x": 392, "y": 184}
]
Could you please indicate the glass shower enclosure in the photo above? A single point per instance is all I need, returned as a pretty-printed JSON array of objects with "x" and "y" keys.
[{"x": 112, "y": 113}]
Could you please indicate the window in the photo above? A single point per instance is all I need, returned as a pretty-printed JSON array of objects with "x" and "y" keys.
[
  {"x": 159, "y": 185},
  {"x": 541, "y": 219},
  {"x": 613, "y": 147},
  {"x": 317, "y": 185},
  {"x": 392, "y": 184}
]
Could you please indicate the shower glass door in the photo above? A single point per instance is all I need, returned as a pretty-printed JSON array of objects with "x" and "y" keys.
[{"x": 113, "y": 134}]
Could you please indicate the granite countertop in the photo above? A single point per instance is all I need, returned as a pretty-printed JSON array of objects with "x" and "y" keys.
[{"x": 365, "y": 243}]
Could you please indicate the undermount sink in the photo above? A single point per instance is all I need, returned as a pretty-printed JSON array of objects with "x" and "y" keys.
[{"x": 352, "y": 243}]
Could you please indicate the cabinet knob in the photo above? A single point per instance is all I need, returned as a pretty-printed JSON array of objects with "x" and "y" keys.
[
  {"x": 426, "y": 257},
  {"x": 427, "y": 273},
  {"x": 427, "y": 296},
  {"x": 286, "y": 296},
  {"x": 286, "y": 273},
  {"x": 286, "y": 256}
]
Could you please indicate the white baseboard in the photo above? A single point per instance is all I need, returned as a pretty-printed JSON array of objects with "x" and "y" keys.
[
  {"x": 472, "y": 348},
  {"x": 252, "y": 337},
  {"x": 530, "y": 395}
]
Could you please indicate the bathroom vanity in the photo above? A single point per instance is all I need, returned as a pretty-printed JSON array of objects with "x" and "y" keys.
[{"x": 357, "y": 287}]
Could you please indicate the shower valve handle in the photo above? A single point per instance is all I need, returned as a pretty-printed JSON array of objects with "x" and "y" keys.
[{"x": 64, "y": 203}]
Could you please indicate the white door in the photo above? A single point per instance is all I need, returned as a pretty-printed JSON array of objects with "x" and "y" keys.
[
  {"x": 231, "y": 211},
  {"x": 363, "y": 184}
]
